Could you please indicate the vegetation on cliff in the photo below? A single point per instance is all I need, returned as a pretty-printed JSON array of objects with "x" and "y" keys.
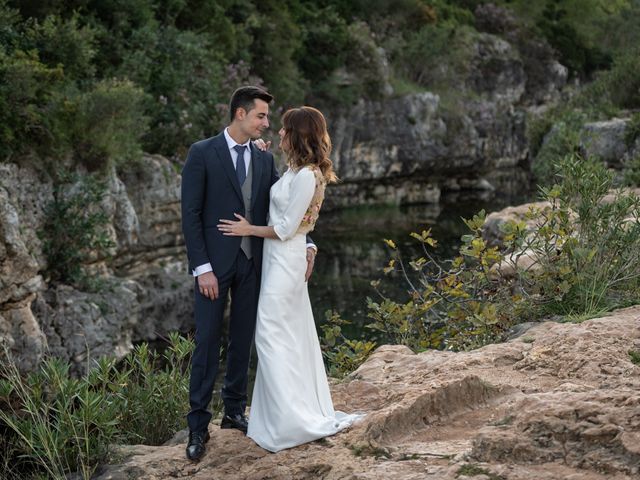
[{"x": 103, "y": 80}]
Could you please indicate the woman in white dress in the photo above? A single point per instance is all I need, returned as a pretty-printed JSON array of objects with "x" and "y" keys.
[{"x": 291, "y": 402}]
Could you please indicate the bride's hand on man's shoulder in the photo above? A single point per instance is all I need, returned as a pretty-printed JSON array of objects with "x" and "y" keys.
[{"x": 262, "y": 145}]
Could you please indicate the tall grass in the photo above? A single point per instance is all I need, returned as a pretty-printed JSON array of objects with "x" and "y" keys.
[{"x": 60, "y": 425}]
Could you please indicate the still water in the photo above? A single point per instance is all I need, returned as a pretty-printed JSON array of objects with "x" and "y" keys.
[{"x": 352, "y": 252}]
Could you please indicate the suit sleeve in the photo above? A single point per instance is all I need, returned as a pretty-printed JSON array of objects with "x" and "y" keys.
[
  {"x": 192, "y": 200},
  {"x": 302, "y": 189}
]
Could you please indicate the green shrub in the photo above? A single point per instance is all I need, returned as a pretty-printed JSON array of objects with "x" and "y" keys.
[
  {"x": 343, "y": 355},
  {"x": 623, "y": 81},
  {"x": 108, "y": 123},
  {"x": 62, "y": 42},
  {"x": 74, "y": 228},
  {"x": 181, "y": 73},
  {"x": 557, "y": 138},
  {"x": 575, "y": 51},
  {"x": 66, "y": 425},
  {"x": 61, "y": 424},
  {"x": 458, "y": 304},
  {"x": 27, "y": 101},
  {"x": 151, "y": 392},
  {"x": 588, "y": 247},
  {"x": 632, "y": 131},
  {"x": 444, "y": 52}
]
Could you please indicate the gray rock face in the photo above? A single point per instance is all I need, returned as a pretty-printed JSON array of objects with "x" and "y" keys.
[
  {"x": 408, "y": 149},
  {"x": 80, "y": 325},
  {"x": 22, "y": 193},
  {"x": 144, "y": 290},
  {"x": 606, "y": 140},
  {"x": 411, "y": 148}
]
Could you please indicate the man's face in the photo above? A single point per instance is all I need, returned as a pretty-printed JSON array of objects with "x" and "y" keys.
[{"x": 255, "y": 121}]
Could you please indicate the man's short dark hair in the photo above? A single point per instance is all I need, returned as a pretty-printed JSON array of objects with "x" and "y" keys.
[{"x": 244, "y": 97}]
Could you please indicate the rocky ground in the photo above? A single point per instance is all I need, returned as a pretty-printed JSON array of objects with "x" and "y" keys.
[{"x": 558, "y": 401}]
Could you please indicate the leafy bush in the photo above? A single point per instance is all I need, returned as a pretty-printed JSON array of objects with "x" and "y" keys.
[
  {"x": 74, "y": 228},
  {"x": 587, "y": 242},
  {"x": 108, "y": 122},
  {"x": 575, "y": 51},
  {"x": 62, "y": 42},
  {"x": 65, "y": 425},
  {"x": 27, "y": 93},
  {"x": 583, "y": 258},
  {"x": 181, "y": 72},
  {"x": 152, "y": 392}
]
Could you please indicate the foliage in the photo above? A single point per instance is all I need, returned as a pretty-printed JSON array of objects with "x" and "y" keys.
[
  {"x": 181, "y": 73},
  {"x": 108, "y": 122},
  {"x": 631, "y": 172},
  {"x": 618, "y": 88},
  {"x": 74, "y": 228},
  {"x": 343, "y": 355},
  {"x": 587, "y": 242},
  {"x": 458, "y": 304},
  {"x": 578, "y": 256},
  {"x": 150, "y": 392},
  {"x": 27, "y": 90},
  {"x": 555, "y": 140},
  {"x": 64, "y": 425},
  {"x": 575, "y": 52},
  {"x": 181, "y": 56},
  {"x": 632, "y": 132}
]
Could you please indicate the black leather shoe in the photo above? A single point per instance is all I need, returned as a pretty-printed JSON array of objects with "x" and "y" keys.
[
  {"x": 237, "y": 421},
  {"x": 195, "y": 447}
]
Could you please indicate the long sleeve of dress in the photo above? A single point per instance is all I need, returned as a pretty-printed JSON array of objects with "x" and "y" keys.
[{"x": 303, "y": 187}]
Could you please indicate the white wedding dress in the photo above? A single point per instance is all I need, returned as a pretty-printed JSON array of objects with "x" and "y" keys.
[{"x": 291, "y": 402}]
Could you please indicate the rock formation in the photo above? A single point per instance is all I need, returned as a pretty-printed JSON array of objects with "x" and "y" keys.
[
  {"x": 146, "y": 291},
  {"x": 559, "y": 401}
]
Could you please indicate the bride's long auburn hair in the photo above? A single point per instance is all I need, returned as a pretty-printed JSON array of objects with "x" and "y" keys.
[{"x": 307, "y": 140}]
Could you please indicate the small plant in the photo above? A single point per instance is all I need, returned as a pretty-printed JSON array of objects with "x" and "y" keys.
[
  {"x": 342, "y": 354},
  {"x": 157, "y": 392},
  {"x": 586, "y": 242},
  {"x": 74, "y": 228},
  {"x": 60, "y": 423},
  {"x": 583, "y": 259},
  {"x": 632, "y": 131},
  {"x": 635, "y": 356},
  {"x": 65, "y": 425}
]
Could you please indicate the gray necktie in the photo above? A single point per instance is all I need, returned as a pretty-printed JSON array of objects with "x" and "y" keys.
[{"x": 241, "y": 170}]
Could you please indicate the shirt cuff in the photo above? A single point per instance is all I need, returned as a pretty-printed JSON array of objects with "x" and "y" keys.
[
  {"x": 313, "y": 245},
  {"x": 202, "y": 269}
]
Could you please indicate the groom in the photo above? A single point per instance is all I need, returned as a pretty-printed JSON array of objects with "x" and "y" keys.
[{"x": 224, "y": 175}]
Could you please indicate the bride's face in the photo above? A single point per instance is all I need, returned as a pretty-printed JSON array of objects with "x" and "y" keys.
[{"x": 283, "y": 140}]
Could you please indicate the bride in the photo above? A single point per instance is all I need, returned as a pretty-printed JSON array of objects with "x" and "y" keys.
[{"x": 291, "y": 402}]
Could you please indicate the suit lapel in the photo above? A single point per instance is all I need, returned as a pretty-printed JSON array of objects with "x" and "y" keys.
[
  {"x": 227, "y": 163},
  {"x": 256, "y": 171}
]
